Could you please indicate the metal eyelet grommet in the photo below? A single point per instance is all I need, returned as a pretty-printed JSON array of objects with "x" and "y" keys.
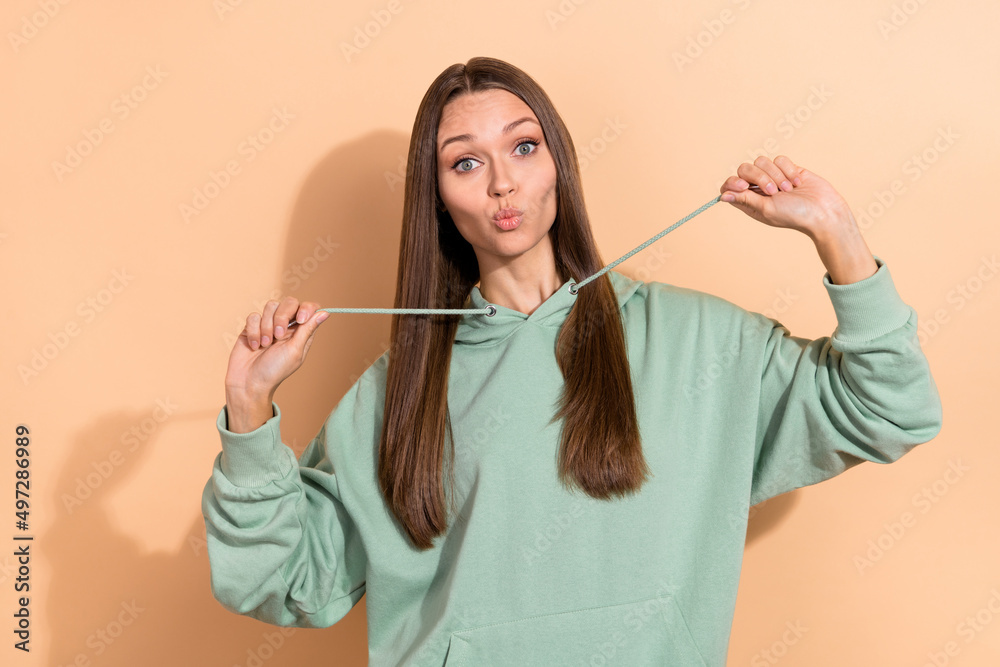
[
  {"x": 490, "y": 310},
  {"x": 573, "y": 288}
]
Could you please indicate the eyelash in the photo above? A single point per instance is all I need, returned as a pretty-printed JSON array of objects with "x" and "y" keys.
[{"x": 522, "y": 141}]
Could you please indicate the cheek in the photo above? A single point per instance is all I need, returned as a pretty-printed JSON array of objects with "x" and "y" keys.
[
  {"x": 451, "y": 194},
  {"x": 443, "y": 188},
  {"x": 551, "y": 182},
  {"x": 549, "y": 196}
]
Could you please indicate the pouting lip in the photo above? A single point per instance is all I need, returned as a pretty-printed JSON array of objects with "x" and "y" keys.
[{"x": 509, "y": 212}]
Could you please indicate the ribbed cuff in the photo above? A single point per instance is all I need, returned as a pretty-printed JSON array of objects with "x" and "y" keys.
[
  {"x": 255, "y": 458},
  {"x": 868, "y": 308}
]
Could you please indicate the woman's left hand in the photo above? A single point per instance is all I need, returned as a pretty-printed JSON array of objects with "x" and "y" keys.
[{"x": 791, "y": 196}]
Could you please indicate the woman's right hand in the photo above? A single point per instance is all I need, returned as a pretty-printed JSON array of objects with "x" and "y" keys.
[{"x": 266, "y": 353}]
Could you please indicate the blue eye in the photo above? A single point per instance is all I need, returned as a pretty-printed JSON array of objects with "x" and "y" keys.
[
  {"x": 524, "y": 148},
  {"x": 527, "y": 143}
]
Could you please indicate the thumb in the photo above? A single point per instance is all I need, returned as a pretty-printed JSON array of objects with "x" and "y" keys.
[
  {"x": 747, "y": 200},
  {"x": 305, "y": 332}
]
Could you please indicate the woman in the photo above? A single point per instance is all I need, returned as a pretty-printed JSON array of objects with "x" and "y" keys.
[{"x": 602, "y": 445}]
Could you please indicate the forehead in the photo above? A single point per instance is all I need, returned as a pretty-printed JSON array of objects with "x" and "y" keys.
[{"x": 481, "y": 113}]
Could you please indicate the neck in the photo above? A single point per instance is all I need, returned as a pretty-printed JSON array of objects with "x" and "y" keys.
[{"x": 519, "y": 286}]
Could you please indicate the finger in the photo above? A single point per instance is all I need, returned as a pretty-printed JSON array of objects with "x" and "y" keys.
[
  {"x": 729, "y": 196},
  {"x": 778, "y": 176},
  {"x": 751, "y": 199},
  {"x": 267, "y": 323},
  {"x": 305, "y": 311},
  {"x": 307, "y": 329},
  {"x": 734, "y": 183},
  {"x": 791, "y": 171},
  {"x": 755, "y": 175},
  {"x": 252, "y": 330},
  {"x": 284, "y": 313},
  {"x": 777, "y": 180}
]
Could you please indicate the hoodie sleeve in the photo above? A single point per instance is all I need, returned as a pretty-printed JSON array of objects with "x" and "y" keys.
[
  {"x": 282, "y": 547},
  {"x": 863, "y": 394}
]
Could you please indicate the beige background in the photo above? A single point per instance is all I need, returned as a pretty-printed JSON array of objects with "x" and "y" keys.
[{"x": 126, "y": 308}]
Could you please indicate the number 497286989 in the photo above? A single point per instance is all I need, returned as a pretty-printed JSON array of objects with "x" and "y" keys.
[{"x": 22, "y": 475}]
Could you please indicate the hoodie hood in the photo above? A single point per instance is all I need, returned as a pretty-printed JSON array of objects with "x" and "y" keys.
[{"x": 478, "y": 329}]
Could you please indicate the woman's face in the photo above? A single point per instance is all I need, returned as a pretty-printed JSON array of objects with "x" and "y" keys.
[{"x": 492, "y": 156}]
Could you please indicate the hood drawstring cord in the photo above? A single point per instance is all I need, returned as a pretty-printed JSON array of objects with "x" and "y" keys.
[
  {"x": 575, "y": 287},
  {"x": 491, "y": 310}
]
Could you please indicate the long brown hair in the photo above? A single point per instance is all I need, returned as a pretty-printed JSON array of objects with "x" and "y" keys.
[{"x": 600, "y": 450}]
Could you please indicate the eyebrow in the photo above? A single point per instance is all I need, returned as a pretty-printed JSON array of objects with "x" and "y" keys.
[{"x": 506, "y": 130}]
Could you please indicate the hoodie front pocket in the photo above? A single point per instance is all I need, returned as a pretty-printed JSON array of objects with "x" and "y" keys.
[{"x": 645, "y": 632}]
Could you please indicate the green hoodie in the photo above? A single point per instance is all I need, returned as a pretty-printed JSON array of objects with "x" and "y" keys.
[{"x": 732, "y": 409}]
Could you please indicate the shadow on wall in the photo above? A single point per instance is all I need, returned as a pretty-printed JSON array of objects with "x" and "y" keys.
[
  {"x": 111, "y": 602},
  {"x": 114, "y": 604},
  {"x": 766, "y": 516}
]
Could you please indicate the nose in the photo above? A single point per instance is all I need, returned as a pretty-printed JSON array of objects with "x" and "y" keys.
[{"x": 502, "y": 181}]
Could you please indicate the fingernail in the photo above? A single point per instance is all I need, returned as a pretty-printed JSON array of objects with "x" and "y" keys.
[
  {"x": 322, "y": 317},
  {"x": 300, "y": 316},
  {"x": 254, "y": 345},
  {"x": 741, "y": 183},
  {"x": 786, "y": 185},
  {"x": 265, "y": 340},
  {"x": 278, "y": 331},
  {"x": 771, "y": 188}
]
